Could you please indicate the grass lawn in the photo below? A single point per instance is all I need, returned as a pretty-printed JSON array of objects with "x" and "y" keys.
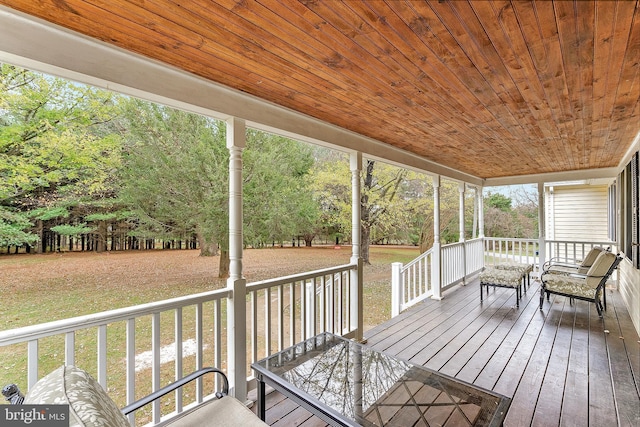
[{"x": 41, "y": 288}]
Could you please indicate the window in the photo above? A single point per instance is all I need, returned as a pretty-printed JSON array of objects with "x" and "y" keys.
[
  {"x": 630, "y": 226},
  {"x": 612, "y": 212}
]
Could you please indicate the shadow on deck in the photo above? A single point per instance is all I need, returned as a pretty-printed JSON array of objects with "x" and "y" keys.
[{"x": 562, "y": 365}]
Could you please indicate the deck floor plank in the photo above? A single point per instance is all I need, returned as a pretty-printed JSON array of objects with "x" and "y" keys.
[
  {"x": 622, "y": 377},
  {"x": 549, "y": 404},
  {"x": 576, "y": 388},
  {"x": 445, "y": 341},
  {"x": 601, "y": 411},
  {"x": 628, "y": 332},
  {"x": 493, "y": 355},
  {"x": 559, "y": 365},
  {"x": 528, "y": 388}
]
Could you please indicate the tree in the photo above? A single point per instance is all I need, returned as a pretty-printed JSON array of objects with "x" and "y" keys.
[
  {"x": 176, "y": 178},
  {"x": 175, "y": 174},
  {"x": 277, "y": 198},
  {"x": 385, "y": 206},
  {"x": 52, "y": 145},
  {"x": 502, "y": 219}
]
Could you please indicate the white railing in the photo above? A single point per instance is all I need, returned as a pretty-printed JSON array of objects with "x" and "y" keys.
[
  {"x": 410, "y": 283},
  {"x": 453, "y": 264},
  {"x": 287, "y": 310},
  {"x": 413, "y": 282},
  {"x": 136, "y": 350},
  {"x": 574, "y": 251},
  {"x": 499, "y": 250},
  {"x": 130, "y": 351}
]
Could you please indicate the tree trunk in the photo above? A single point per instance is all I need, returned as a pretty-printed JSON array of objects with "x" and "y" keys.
[
  {"x": 208, "y": 247},
  {"x": 426, "y": 235},
  {"x": 308, "y": 239},
  {"x": 40, "y": 233},
  {"x": 365, "y": 213},
  {"x": 364, "y": 250},
  {"x": 101, "y": 243},
  {"x": 223, "y": 269}
]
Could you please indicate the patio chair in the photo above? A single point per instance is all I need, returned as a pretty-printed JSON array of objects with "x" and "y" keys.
[
  {"x": 90, "y": 406},
  {"x": 557, "y": 266},
  {"x": 588, "y": 288}
]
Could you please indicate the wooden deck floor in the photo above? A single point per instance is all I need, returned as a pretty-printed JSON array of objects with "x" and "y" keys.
[{"x": 561, "y": 366}]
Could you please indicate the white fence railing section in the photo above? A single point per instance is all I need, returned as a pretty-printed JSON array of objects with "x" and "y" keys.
[
  {"x": 571, "y": 251},
  {"x": 136, "y": 350},
  {"x": 415, "y": 281},
  {"x": 498, "y": 250}
]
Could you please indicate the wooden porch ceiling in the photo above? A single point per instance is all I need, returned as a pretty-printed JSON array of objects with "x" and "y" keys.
[{"x": 488, "y": 88}]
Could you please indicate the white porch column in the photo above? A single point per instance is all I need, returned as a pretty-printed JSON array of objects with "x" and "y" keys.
[
  {"x": 480, "y": 192},
  {"x": 542, "y": 243},
  {"x": 461, "y": 238},
  {"x": 356, "y": 308},
  {"x": 436, "y": 275},
  {"x": 237, "y": 309}
]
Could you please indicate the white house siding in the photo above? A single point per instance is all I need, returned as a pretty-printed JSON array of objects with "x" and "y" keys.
[
  {"x": 630, "y": 290},
  {"x": 577, "y": 212}
]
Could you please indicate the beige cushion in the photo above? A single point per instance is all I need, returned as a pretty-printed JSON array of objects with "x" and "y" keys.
[
  {"x": 225, "y": 412},
  {"x": 89, "y": 404},
  {"x": 496, "y": 276},
  {"x": 590, "y": 259},
  {"x": 577, "y": 286},
  {"x": 600, "y": 267}
]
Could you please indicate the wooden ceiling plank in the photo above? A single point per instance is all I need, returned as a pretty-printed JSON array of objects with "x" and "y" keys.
[
  {"x": 538, "y": 46},
  {"x": 572, "y": 44},
  {"x": 623, "y": 124},
  {"x": 528, "y": 86},
  {"x": 437, "y": 105},
  {"x": 602, "y": 95},
  {"x": 327, "y": 15},
  {"x": 365, "y": 80},
  {"x": 203, "y": 30},
  {"x": 470, "y": 33},
  {"x": 414, "y": 51},
  {"x": 500, "y": 22},
  {"x": 459, "y": 65},
  {"x": 585, "y": 31},
  {"x": 84, "y": 16},
  {"x": 539, "y": 29}
]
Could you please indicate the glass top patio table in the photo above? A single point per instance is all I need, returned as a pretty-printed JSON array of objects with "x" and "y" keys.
[{"x": 349, "y": 384}]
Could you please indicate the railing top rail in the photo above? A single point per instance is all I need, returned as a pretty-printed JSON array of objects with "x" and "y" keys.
[
  {"x": 57, "y": 327},
  {"x": 512, "y": 239},
  {"x": 583, "y": 242},
  {"x": 256, "y": 286},
  {"x": 417, "y": 259},
  {"x": 452, "y": 245}
]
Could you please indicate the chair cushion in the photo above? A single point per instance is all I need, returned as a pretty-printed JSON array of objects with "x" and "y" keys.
[
  {"x": 515, "y": 266},
  {"x": 591, "y": 256},
  {"x": 600, "y": 268},
  {"x": 495, "y": 276},
  {"x": 89, "y": 404},
  {"x": 227, "y": 412},
  {"x": 568, "y": 285}
]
